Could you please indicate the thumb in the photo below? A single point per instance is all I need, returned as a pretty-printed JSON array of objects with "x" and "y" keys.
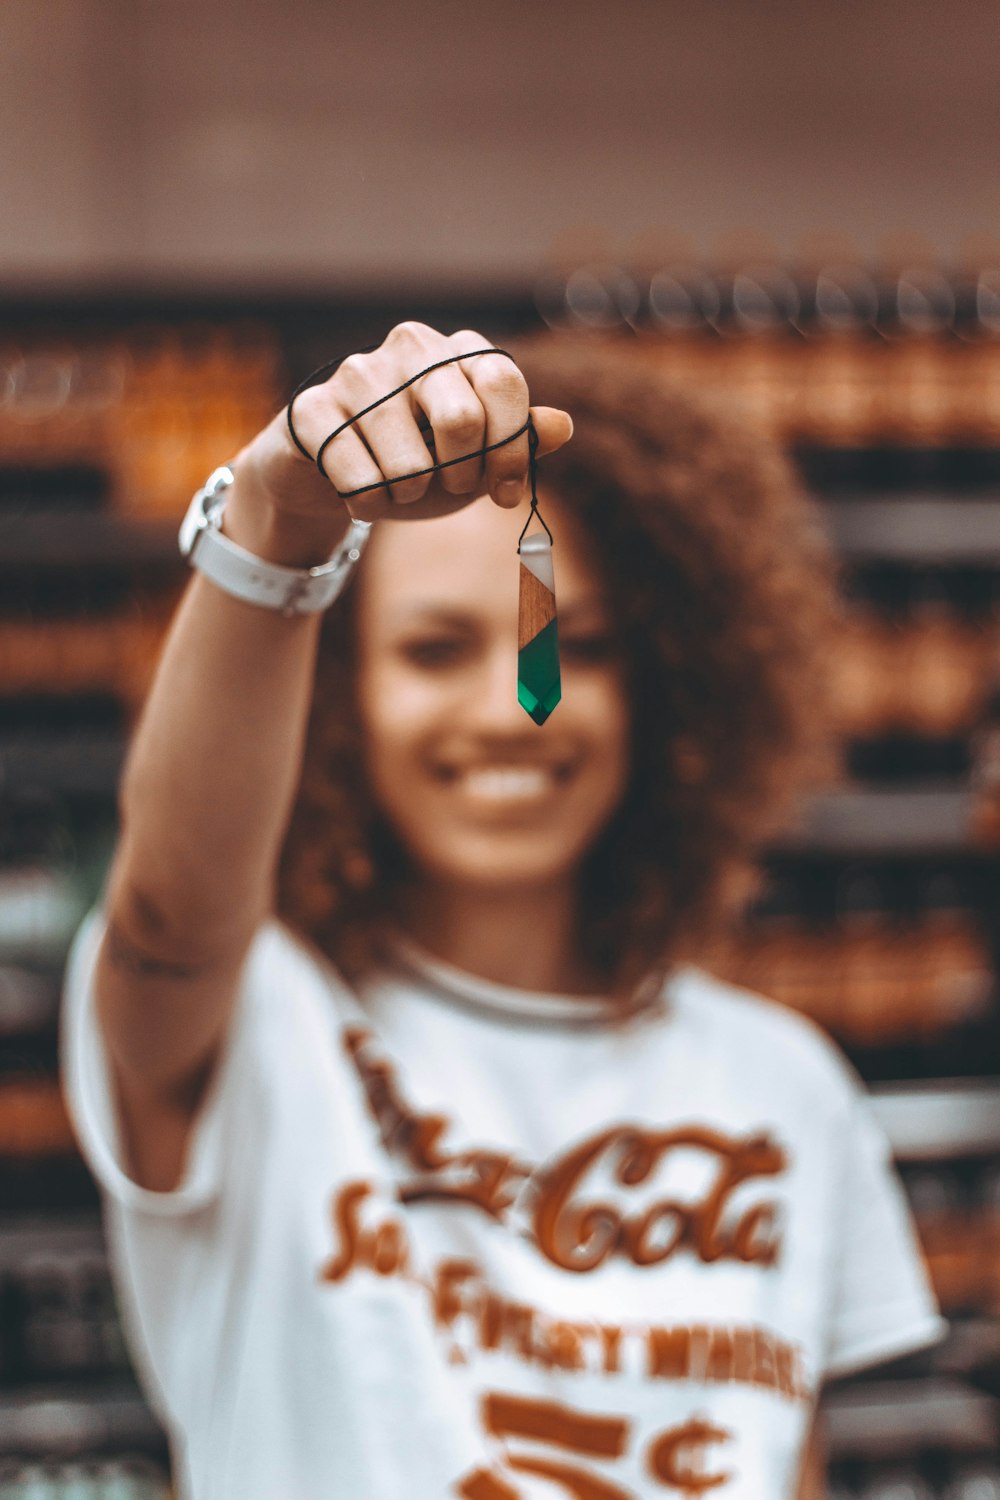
[{"x": 554, "y": 427}]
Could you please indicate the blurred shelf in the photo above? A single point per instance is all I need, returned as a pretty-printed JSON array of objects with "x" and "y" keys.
[
  {"x": 970, "y": 1350},
  {"x": 920, "y": 529},
  {"x": 52, "y": 1422},
  {"x": 971, "y": 1344},
  {"x": 22, "y": 1239},
  {"x": 938, "y": 528},
  {"x": 84, "y": 539},
  {"x": 937, "y": 1120},
  {"x": 81, "y": 762},
  {"x": 891, "y": 1418},
  {"x": 934, "y": 817}
]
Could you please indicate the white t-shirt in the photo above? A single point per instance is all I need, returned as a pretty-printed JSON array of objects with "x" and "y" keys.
[{"x": 450, "y": 1239}]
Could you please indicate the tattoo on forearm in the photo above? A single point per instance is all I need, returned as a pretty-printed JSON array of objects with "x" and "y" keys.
[{"x": 124, "y": 955}]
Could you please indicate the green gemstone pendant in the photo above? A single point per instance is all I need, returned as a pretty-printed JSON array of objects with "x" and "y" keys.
[{"x": 539, "y": 687}]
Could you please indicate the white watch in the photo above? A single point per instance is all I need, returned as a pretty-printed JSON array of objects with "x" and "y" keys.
[{"x": 294, "y": 591}]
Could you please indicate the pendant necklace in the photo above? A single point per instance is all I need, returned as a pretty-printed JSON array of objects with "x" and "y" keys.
[{"x": 539, "y": 684}]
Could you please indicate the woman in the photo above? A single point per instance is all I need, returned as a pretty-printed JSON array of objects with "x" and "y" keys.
[{"x": 473, "y": 1186}]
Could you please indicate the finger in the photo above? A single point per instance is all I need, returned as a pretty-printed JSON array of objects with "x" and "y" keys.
[
  {"x": 458, "y": 425},
  {"x": 553, "y": 426},
  {"x": 387, "y": 423},
  {"x": 503, "y": 393},
  {"x": 398, "y": 448},
  {"x": 347, "y": 463}
]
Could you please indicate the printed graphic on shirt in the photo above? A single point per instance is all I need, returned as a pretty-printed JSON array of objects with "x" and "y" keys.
[
  {"x": 681, "y": 1458},
  {"x": 601, "y": 1197},
  {"x": 574, "y": 1228},
  {"x": 475, "y": 1318}
]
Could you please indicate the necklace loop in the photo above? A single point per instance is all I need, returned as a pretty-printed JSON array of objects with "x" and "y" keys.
[{"x": 333, "y": 365}]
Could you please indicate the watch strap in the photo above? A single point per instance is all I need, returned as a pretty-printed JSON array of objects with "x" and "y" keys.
[{"x": 293, "y": 591}]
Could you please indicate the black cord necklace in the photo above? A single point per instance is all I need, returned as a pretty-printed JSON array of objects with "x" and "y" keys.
[{"x": 539, "y": 686}]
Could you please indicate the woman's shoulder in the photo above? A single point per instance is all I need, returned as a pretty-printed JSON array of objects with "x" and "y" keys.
[
  {"x": 282, "y": 963},
  {"x": 278, "y": 945},
  {"x": 762, "y": 1033}
]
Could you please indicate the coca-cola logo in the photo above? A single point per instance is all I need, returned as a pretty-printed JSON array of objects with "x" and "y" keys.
[
  {"x": 579, "y": 1232},
  {"x": 566, "y": 1205}
]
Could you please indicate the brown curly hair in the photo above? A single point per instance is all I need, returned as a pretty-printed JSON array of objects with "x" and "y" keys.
[{"x": 721, "y": 589}]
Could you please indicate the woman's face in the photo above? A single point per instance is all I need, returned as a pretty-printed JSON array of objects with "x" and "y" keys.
[{"x": 478, "y": 794}]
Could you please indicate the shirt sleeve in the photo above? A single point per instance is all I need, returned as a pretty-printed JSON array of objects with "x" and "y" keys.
[
  {"x": 882, "y": 1305},
  {"x": 88, "y": 1087},
  {"x": 282, "y": 1091}
]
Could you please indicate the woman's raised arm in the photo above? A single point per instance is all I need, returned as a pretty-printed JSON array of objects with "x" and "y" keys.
[{"x": 213, "y": 768}]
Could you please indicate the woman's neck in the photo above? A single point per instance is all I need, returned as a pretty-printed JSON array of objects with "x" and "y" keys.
[{"x": 526, "y": 938}]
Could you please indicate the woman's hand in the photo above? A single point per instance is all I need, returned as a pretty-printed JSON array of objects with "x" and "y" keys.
[{"x": 451, "y": 412}]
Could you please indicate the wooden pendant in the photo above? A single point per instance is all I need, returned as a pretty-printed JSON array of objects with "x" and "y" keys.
[{"x": 539, "y": 686}]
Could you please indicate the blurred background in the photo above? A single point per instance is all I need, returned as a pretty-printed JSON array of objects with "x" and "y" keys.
[{"x": 794, "y": 206}]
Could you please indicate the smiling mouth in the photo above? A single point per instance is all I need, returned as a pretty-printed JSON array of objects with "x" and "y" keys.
[{"x": 499, "y": 784}]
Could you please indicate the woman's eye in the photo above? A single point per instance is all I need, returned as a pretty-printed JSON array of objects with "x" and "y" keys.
[{"x": 439, "y": 651}]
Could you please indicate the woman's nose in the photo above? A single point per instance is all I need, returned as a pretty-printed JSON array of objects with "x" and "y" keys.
[{"x": 494, "y": 703}]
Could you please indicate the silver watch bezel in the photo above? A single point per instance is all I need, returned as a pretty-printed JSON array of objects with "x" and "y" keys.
[
  {"x": 205, "y": 510},
  {"x": 289, "y": 591}
]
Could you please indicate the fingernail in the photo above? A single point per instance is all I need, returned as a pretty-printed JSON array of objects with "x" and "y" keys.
[{"x": 510, "y": 491}]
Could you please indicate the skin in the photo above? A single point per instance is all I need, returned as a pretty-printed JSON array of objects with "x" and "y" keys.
[
  {"x": 495, "y": 812},
  {"x": 194, "y": 870},
  {"x": 437, "y": 694}
]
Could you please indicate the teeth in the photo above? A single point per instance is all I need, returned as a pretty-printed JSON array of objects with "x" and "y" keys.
[{"x": 508, "y": 781}]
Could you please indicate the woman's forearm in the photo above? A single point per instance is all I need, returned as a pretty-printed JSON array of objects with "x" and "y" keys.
[{"x": 216, "y": 757}]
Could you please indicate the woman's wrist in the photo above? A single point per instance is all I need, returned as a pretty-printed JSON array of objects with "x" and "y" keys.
[{"x": 252, "y": 520}]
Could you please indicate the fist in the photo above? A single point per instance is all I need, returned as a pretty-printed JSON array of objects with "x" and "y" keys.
[{"x": 443, "y": 418}]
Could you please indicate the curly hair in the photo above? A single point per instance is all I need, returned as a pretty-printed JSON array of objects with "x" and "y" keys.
[{"x": 720, "y": 585}]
